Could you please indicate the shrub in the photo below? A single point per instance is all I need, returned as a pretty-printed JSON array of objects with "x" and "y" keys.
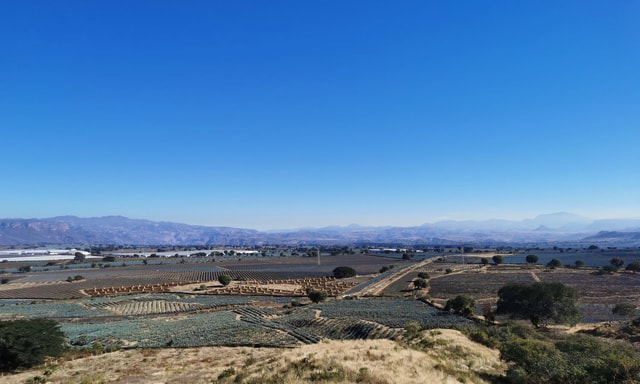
[
  {"x": 497, "y": 259},
  {"x": 617, "y": 262},
  {"x": 532, "y": 259},
  {"x": 461, "y": 304},
  {"x": 634, "y": 266},
  {"x": 423, "y": 275},
  {"x": 624, "y": 309},
  {"x": 484, "y": 261},
  {"x": 554, "y": 263},
  {"x": 225, "y": 280},
  {"x": 26, "y": 343},
  {"x": 317, "y": 296},
  {"x": 420, "y": 283},
  {"x": 343, "y": 272},
  {"x": 579, "y": 263}
]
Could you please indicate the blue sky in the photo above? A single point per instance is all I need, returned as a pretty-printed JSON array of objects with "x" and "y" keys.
[{"x": 285, "y": 114}]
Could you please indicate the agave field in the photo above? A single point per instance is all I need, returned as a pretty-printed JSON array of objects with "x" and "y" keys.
[{"x": 179, "y": 320}]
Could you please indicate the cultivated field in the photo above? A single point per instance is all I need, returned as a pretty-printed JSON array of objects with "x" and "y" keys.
[{"x": 183, "y": 305}]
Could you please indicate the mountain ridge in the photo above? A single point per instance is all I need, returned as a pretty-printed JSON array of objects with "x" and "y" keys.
[{"x": 116, "y": 229}]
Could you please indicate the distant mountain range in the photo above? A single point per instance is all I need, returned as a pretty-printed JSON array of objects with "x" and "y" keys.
[{"x": 557, "y": 227}]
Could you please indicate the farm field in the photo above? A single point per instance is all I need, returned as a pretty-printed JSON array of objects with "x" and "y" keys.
[
  {"x": 183, "y": 305},
  {"x": 598, "y": 293}
]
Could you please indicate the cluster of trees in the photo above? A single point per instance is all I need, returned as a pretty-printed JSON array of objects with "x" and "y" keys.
[{"x": 26, "y": 343}]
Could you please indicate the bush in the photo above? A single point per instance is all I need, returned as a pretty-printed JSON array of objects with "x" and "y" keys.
[
  {"x": 461, "y": 304},
  {"x": 531, "y": 259},
  {"x": 420, "y": 283},
  {"x": 634, "y": 267},
  {"x": 317, "y": 296},
  {"x": 624, "y": 309},
  {"x": 575, "y": 358},
  {"x": 423, "y": 275},
  {"x": 225, "y": 280},
  {"x": 26, "y": 343},
  {"x": 497, "y": 259},
  {"x": 554, "y": 263},
  {"x": 343, "y": 272}
]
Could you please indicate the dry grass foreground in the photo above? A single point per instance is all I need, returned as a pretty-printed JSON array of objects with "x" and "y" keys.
[{"x": 451, "y": 358}]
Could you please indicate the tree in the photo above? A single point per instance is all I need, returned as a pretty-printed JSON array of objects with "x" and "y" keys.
[
  {"x": 317, "y": 296},
  {"x": 484, "y": 261},
  {"x": 420, "y": 283},
  {"x": 554, "y": 263},
  {"x": 608, "y": 270},
  {"x": 497, "y": 259},
  {"x": 624, "y": 309},
  {"x": 617, "y": 262},
  {"x": 634, "y": 266},
  {"x": 225, "y": 280},
  {"x": 539, "y": 302},
  {"x": 342, "y": 272},
  {"x": 461, "y": 304},
  {"x": 423, "y": 275},
  {"x": 26, "y": 343},
  {"x": 531, "y": 259},
  {"x": 79, "y": 256},
  {"x": 579, "y": 263},
  {"x": 24, "y": 268}
]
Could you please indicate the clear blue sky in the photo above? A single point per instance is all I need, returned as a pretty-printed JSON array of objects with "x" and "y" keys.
[{"x": 282, "y": 114}]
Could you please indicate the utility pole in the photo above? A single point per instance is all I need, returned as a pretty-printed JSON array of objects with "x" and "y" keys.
[{"x": 318, "y": 256}]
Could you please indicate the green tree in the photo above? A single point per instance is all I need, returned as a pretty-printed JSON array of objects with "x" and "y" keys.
[
  {"x": 342, "y": 272},
  {"x": 461, "y": 304},
  {"x": 423, "y": 275},
  {"x": 497, "y": 259},
  {"x": 634, "y": 266},
  {"x": 624, "y": 309},
  {"x": 79, "y": 256},
  {"x": 225, "y": 280},
  {"x": 317, "y": 296},
  {"x": 539, "y": 302},
  {"x": 531, "y": 259},
  {"x": 484, "y": 261},
  {"x": 617, "y": 262},
  {"x": 26, "y": 343},
  {"x": 554, "y": 263},
  {"x": 24, "y": 268},
  {"x": 579, "y": 263},
  {"x": 420, "y": 283}
]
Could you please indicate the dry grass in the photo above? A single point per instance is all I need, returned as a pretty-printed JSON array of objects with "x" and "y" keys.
[{"x": 452, "y": 359}]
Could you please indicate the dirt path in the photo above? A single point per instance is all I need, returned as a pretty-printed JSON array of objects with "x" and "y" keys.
[
  {"x": 376, "y": 289},
  {"x": 535, "y": 277}
]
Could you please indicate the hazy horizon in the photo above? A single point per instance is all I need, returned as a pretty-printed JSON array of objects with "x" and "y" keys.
[
  {"x": 435, "y": 221},
  {"x": 297, "y": 114}
]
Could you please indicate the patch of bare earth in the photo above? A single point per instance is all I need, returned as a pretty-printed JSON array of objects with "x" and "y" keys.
[{"x": 451, "y": 359}]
